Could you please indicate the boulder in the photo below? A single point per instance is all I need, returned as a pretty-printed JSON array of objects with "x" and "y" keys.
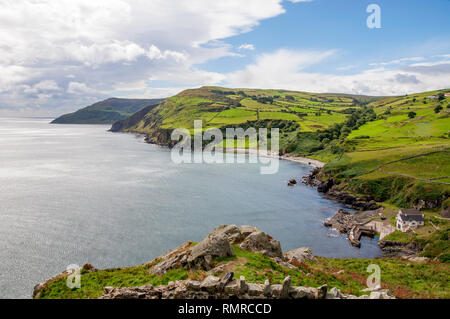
[
  {"x": 247, "y": 230},
  {"x": 303, "y": 293},
  {"x": 210, "y": 284},
  {"x": 286, "y": 287},
  {"x": 263, "y": 243},
  {"x": 299, "y": 255},
  {"x": 334, "y": 293},
  {"x": 215, "y": 244},
  {"x": 231, "y": 232},
  {"x": 292, "y": 182},
  {"x": 255, "y": 290}
]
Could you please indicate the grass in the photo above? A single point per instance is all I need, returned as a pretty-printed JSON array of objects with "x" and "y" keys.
[
  {"x": 399, "y": 237},
  {"x": 403, "y": 278},
  {"x": 93, "y": 284}
]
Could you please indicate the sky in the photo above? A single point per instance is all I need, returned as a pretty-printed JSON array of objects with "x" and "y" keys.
[{"x": 58, "y": 56}]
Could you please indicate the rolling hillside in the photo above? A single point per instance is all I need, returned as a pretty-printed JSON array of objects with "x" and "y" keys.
[
  {"x": 219, "y": 107},
  {"x": 105, "y": 112}
]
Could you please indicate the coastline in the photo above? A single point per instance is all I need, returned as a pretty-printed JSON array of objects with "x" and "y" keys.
[{"x": 292, "y": 158}]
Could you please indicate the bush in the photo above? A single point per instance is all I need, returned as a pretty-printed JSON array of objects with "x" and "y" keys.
[{"x": 412, "y": 115}]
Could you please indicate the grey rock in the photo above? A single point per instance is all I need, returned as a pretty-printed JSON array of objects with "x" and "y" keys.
[
  {"x": 299, "y": 255},
  {"x": 286, "y": 287},
  {"x": 322, "y": 292},
  {"x": 263, "y": 243},
  {"x": 210, "y": 284},
  {"x": 214, "y": 245},
  {"x": 242, "y": 285},
  {"x": 255, "y": 290},
  {"x": 267, "y": 290},
  {"x": 247, "y": 230},
  {"x": 303, "y": 293}
]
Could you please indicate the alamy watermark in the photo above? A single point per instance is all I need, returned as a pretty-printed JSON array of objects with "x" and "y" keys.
[
  {"x": 191, "y": 148},
  {"x": 374, "y": 19},
  {"x": 374, "y": 280},
  {"x": 73, "y": 281}
]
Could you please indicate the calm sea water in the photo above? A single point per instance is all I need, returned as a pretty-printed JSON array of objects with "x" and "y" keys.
[{"x": 75, "y": 194}]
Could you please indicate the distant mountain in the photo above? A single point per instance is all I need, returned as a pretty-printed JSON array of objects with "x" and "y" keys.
[{"x": 106, "y": 112}]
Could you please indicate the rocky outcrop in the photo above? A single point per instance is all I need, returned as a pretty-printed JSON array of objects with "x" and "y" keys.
[
  {"x": 216, "y": 244},
  {"x": 399, "y": 249},
  {"x": 359, "y": 203},
  {"x": 261, "y": 242},
  {"x": 215, "y": 288},
  {"x": 299, "y": 255},
  {"x": 330, "y": 189}
]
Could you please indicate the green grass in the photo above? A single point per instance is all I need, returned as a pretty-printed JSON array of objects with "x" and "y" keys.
[
  {"x": 93, "y": 284},
  {"x": 399, "y": 237}
]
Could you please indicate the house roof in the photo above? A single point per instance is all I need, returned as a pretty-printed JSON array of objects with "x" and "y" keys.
[{"x": 411, "y": 215}]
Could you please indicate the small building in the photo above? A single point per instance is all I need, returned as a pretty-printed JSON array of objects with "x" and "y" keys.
[
  {"x": 409, "y": 218},
  {"x": 432, "y": 97},
  {"x": 447, "y": 94}
]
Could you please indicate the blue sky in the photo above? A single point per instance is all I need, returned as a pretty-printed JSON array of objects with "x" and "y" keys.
[
  {"x": 57, "y": 56},
  {"x": 409, "y": 28}
]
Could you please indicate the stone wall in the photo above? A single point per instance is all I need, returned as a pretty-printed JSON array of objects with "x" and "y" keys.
[{"x": 229, "y": 288}]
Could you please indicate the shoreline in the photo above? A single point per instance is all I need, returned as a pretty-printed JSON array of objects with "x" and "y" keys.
[{"x": 287, "y": 157}]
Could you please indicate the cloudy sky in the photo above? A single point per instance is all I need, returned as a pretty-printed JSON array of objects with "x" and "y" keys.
[{"x": 57, "y": 56}]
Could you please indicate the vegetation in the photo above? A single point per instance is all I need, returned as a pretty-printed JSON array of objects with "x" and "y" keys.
[
  {"x": 105, "y": 112},
  {"x": 403, "y": 278}
]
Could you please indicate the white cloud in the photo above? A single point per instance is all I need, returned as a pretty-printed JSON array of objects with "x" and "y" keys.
[
  {"x": 106, "y": 42},
  {"x": 398, "y": 61},
  {"x": 287, "y": 69},
  {"x": 246, "y": 46}
]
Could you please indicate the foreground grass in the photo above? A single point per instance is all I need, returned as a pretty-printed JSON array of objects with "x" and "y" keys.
[{"x": 403, "y": 278}]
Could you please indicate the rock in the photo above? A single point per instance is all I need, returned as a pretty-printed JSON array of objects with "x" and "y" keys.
[
  {"x": 215, "y": 245},
  {"x": 210, "y": 284},
  {"x": 299, "y": 255},
  {"x": 303, "y": 293},
  {"x": 281, "y": 262},
  {"x": 292, "y": 182},
  {"x": 231, "y": 232},
  {"x": 322, "y": 292},
  {"x": 247, "y": 230},
  {"x": 224, "y": 281},
  {"x": 263, "y": 243},
  {"x": 334, "y": 293},
  {"x": 276, "y": 290},
  {"x": 193, "y": 285},
  {"x": 267, "y": 290},
  {"x": 286, "y": 287},
  {"x": 173, "y": 259},
  {"x": 232, "y": 288},
  {"x": 255, "y": 290},
  {"x": 242, "y": 285},
  {"x": 323, "y": 187},
  {"x": 381, "y": 294}
]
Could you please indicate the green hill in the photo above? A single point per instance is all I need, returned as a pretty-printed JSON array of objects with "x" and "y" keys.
[
  {"x": 105, "y": 112},
  {"x": 394, "y": 149},
  {"x": 221, "y": 107}
]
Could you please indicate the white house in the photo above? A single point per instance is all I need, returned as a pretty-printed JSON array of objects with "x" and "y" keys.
[{"x": 409, "y": 218}]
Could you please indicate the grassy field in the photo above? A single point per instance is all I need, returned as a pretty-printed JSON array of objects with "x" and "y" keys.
[{"x": 403, "y": 278}]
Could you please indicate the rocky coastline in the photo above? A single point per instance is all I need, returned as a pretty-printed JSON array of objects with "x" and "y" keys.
[
  {"x": 329, "y": 189},
  {"x": 359, "y": 224}
]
